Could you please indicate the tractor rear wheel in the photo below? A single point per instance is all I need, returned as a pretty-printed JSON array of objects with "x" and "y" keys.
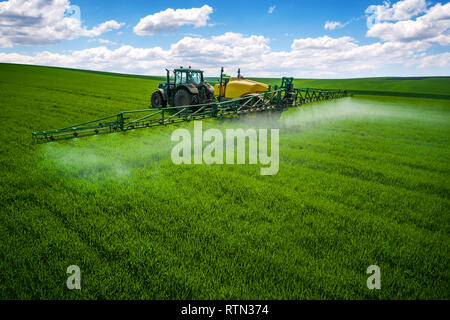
[
  {"x": 183, "y": 98},
  {"x": 157, "y": 100}
]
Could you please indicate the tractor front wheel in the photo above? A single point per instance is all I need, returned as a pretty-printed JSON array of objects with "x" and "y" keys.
[
  {"x": 183, "y": 98},
  {"x": 157, "y": 100}
]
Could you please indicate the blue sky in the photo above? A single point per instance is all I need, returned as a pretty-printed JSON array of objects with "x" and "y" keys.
[{"x": 264, "y": 38}]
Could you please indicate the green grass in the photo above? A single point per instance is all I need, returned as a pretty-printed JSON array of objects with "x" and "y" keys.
[
  {"x": 362, "y": 181},
  {"x": 419, "y": 87}
]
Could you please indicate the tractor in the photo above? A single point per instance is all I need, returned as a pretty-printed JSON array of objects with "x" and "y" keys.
[{"x": 187, "y": 88}]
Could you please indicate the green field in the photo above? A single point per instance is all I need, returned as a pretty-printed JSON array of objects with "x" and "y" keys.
[
  {"x": 419, "y": 87},
  {"x": 362, "y": 181}
]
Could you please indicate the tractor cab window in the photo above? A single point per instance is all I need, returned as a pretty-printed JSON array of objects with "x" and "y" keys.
[
  {"x": 194, "y": 77},
  {"x": 180, "y": 78},
  {"x": 188, "y": 77}
]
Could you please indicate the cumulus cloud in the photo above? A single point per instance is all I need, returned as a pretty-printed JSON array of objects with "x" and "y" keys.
[
  {"x": 308, "y": 57},
  {"x": 271, "y": 9},
  {"x": 324, "y": 43},
  {"x": 344, "y": 56},
  {"x": 432, "y": 26},
  {"x": 170, "y": 20},
  {"x": 229, "y": 48},
  {"x": 331, "y": 25},
  {"x": 402, "y": 10},
  {"x": 102, "y": 28},
  {"x": 43, "y": 22},
  {"x": 239, "y": 40},
  {"x": 437, "y": 60}
]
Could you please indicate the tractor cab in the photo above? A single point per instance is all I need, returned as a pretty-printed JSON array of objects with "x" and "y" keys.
[
  {"x": 188, "y": 76},
  {"x": 187, "y": 87}
]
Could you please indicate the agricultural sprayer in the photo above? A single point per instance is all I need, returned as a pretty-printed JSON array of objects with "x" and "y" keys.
[{"x": 189, "y": 98}]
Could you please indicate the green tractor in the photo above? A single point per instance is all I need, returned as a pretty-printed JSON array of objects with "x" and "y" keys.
[{"x": 187, "y": 88}]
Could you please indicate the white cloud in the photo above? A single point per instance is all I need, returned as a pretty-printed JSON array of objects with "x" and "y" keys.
[
  {"x": 192, "y": 35},
  {"x": 309, "y": 57},
  {"x": 170, "y": 20},
  {"x": 106, "y": 41},
  {"x": 442, "y": 39},
  {"x": 103, "y": 41},
  {"x": 43, "y": 22},
  {"x": 271, "y": 9},
  {"x": 432, "y": 26},
  {"x": 102, "y": 28},
  {"x": 437, "y": 60},
  {"x": 331, "y": 25},
  {"x": 402, "y": 10},
  {"x": 343, "y": 56},
  {"x": 324, "y": 43},
  {"x": 239, "y": 40}
]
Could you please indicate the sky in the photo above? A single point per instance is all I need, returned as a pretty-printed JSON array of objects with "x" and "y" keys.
[{"x": 265, "y": 38}]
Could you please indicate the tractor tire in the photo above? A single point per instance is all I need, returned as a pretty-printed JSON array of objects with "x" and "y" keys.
[
  {"x": 183, "y": 98},
  {"x": 205, "y": 95},
  {"x": 158, "y": 100}
]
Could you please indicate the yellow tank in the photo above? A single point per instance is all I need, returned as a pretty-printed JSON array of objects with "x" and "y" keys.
[{"x": 238, "y": 87}]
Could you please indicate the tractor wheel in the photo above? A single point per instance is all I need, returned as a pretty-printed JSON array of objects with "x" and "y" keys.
[
  {"x": 183, "y": 98},
  {"x": 157, "y": 100}
]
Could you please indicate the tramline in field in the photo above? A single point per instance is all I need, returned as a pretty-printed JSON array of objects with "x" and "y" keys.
[{"x": 190, "y": 98}]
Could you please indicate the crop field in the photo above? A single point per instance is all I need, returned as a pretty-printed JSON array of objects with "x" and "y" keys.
[{"x": 362, "y": 181}]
